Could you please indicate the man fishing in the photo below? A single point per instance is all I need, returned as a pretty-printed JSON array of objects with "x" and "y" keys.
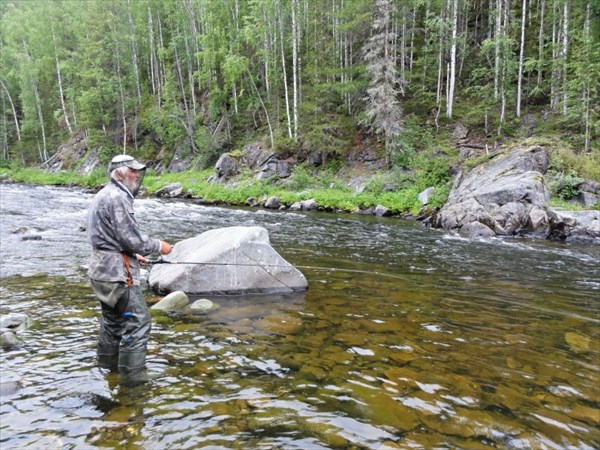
[{"x": 118, "y": 249}]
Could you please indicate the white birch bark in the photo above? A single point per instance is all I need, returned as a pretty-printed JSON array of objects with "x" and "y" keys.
[
  {"x": 14, "y": 111},
  {"x": 161, "y": 69},
  {"x": 5, "y": 155},
  {"x": 586, "y": 87},
  {"x": 412, "y": 38},
  {"x": 285, "y": 83},
  {"x": 521, "y": 58},
  {"x": 153, "y": 60},
  {"x": 264, "y": 109},
  {"x": 440, "y": 66},
  {"x": 38, "y": 105},
  {"x": 267, "y": 49},
  {"x": 402, "y": 49},
  {"x": 121, "y": 95},
  {"x": 565, "y": 51},
  {"x": 181, "y": 84},
  {"x": 497, "y": 49},
  {"x": 504, "y": 71},
  {"x": 541, "y": 45},
  {"x": 191, "y": 11},
  {"x": 60, "y": 88},
  {"x": 295, "y": 66},
  {"x": 452, "y": 75},
  {"x": 190, "y": 73},
  {"x": 134, "y": 54},
  {"x": 554, "y": 78}
]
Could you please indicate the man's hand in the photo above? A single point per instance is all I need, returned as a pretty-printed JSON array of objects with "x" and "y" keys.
[
  {"x": 165, "y": 248},
  {"x": 143, "y": 261}
]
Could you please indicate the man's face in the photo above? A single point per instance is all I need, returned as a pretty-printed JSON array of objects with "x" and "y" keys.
[{"x": 132, "y": 179}]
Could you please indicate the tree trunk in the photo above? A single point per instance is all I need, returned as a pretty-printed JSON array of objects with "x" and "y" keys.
[
  {"x": 153, "y": 58},
  {"x": 565, "y": 49},
  {"x": 555, "y": 74},
  {"x": 295, "y": 66},
  {"x": 497, "y": 35},
  {"x": 586, "y": 88},
  {"x": 60, "y": 88},
  {"x": 541, "y": 45},
  {"x": 134, "y": 55},
  {"x": 38, "y": 106},
  {"x": 452, "y": 74},
  {"x": 121, "y": 94},
  {"x": 136, "y": 71},
  {"x": 264, "y": 109},
  {"x": 12, "y": 105},
  {"x": 285, "y": 83},
  {"x": 521, "y": 58},
  {"x": 181, "y": 83},
  {"x": 440, "y": 65}
]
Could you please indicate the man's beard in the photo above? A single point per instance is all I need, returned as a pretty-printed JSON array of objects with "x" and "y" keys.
[{"x": 133, "y": 186}]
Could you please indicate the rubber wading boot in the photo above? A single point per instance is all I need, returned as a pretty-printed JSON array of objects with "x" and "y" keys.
[
  {"x": 108, "y": 357},
  {"x": 132, "y": 367}
]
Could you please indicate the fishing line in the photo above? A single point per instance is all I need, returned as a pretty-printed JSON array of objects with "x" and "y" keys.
[{"x": 330, "y": 269}]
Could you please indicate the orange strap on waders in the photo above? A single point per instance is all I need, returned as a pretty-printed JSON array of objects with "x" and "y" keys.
[{"x": 129, "y": 277}]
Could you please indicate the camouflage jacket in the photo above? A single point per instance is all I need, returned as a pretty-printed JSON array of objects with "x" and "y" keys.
[{"x": 112, "y": 230}]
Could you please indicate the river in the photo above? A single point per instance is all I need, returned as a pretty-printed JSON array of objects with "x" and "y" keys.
[{"x": 470, "y": 344}]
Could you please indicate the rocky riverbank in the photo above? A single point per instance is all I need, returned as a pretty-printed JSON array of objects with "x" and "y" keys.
[{"x": 506, "y": 195}]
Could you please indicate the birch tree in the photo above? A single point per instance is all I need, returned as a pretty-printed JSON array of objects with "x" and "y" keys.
[
  {"x": 564, "y": 55},
  {"x": 452, "y": 74},
  {"x": 12, "y": 107},
  {"x": 295, "y": 63},
  {"x": 521, "y": 58},
  {"x": 60, "y": 83}
]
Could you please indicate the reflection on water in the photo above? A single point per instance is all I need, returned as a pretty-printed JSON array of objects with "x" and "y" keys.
[{"x": 474, "y": 344}]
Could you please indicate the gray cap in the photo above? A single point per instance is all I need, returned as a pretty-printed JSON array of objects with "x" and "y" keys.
[{"x": 125, "y": 160}]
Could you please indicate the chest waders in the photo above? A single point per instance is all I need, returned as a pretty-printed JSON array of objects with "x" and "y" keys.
[{"x": 124, "y": 331}]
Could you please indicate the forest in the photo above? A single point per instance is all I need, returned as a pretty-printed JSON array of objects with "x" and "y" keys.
[{"x": 196, "y": 78}]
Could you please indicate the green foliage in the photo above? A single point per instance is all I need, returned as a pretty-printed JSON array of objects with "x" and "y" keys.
[
  {"x": 301, "y": 179},
  {"x": 164, "y": 74},
  {"x": 564, "y": 186},
  {"x": 431, "y": 170},
  {"x": 565, "y": 160},
  {"x": 560, "y": 203}
]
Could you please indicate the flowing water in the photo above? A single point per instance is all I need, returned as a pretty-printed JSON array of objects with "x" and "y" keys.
[{"x": 469, "y": 344}]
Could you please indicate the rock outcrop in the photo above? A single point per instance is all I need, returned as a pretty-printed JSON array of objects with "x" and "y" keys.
[
  {"x": 508, "y": 196},
  {"x": 505, "y": 196},
  {"x": 256, "y": 158},
  {"x": 583, "y": 226},
  {"x": 234, "y": 260}
]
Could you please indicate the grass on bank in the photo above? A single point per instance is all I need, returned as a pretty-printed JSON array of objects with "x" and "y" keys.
[
  {"x": 329, "y": 192},
  {"x": 335, "y": 196}
]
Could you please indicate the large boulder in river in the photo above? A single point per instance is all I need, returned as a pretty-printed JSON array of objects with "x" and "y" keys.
[
  {"x": 505, "y": 196},
  {"x": 234, "y": 260}
]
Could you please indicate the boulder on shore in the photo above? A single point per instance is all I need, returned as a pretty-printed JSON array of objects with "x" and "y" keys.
[
  {"x": 504, "y": 196},
  {"x": 233, "y": 260},
  {"x": 508, "y": 196}
]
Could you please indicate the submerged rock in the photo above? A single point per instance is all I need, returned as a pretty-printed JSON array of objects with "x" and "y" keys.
[
  {"x": 203, "y": 304},
  {"x": 234, "y": 260},
  {"x": 174, "y": 301},
  {"x": 14, "y": 322},
  {"x": 10, "y": 324}
]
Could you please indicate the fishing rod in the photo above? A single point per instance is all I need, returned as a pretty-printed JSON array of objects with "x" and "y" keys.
[{"x": 330, "y": 269}]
